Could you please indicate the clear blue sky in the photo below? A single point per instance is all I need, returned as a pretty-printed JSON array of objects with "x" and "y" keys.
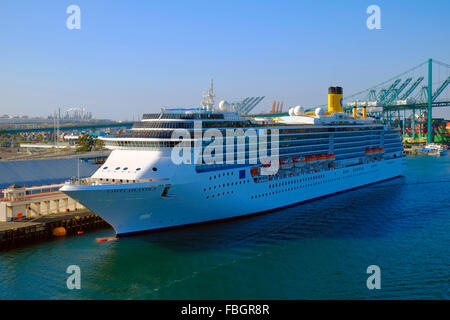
[{"x": 132, "y": 57}]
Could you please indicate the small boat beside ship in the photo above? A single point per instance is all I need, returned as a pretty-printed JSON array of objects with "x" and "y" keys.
[{"x": 433, "y": 149}]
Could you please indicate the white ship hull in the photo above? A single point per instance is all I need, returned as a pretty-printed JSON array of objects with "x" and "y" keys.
[{"x": 136, "y": 207}]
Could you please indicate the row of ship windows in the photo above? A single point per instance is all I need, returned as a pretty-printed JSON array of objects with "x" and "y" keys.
[
  {"x": 287, "y": 183},
  {"x": 340, "y": 154},
  {"x": 189, "y": 125},
  {"x": 293, "y": 188},
  {"x": 228, "y": 184},
  {"x": 126, "y": 168},
  {"x": 130, "y": 190},
  {"x": 302, "y": 186},
  {"x": 297, "y": 181},
  {"x": 117, "y": 180},
  {"x": 184, "y": 116},
  {"x": 219, "y": 194},
  {"x": 248, "y": 147},
  {"x": 282, "y": 132},
  {"x": 171, "y": 144},
  {"x": 221, "y": 175},
  {"x": 220, "y": 160},
  {"x": 118, "y": 168},
  {"x": 171, "y": 124},
  {"x": 292, "y": 148}
]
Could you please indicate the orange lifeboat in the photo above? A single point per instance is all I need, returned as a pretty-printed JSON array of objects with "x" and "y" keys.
[
  {"x": 107, "y": 239},
  {"x": 311, "y": 158},
  {"x": 374, "y": 150}
]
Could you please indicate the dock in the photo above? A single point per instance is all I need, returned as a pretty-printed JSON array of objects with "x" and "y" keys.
[
  {"x": 38, "y": 213},
  {"x": 34, "y": 202},
  {"x": 14, "y": 233}
]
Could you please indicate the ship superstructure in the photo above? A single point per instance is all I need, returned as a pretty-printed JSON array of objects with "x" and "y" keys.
[{"x": 145, "y": 185}]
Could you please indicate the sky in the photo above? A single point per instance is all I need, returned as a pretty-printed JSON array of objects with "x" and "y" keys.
[{"x": 134, "y": 57}]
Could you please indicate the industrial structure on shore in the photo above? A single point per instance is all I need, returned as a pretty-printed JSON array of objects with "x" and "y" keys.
[{"x": 407, "y": 101}]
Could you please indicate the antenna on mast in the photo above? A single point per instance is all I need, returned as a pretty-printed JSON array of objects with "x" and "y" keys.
[{"x": 208, "y": 97}]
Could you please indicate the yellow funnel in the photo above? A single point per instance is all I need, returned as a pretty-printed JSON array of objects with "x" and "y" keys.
[{"x": 335, "y": 99}]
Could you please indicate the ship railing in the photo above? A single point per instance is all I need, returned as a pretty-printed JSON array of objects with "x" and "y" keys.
[{"x": 102, "y": 181}]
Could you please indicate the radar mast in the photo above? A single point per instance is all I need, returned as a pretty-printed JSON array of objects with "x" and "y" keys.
[{"x": 208, "y": 97}]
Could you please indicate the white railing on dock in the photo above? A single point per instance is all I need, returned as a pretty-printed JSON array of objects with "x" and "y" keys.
[{"x": 30, "y": 190}]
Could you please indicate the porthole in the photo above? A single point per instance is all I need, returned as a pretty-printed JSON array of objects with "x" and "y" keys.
[
  {"x": 117, "y": 168},
  {"x": 137, "y": 169},
  {"x": 104, "y": 168},
  {"x": 155, "y": 169},
  {"x": 126, "y": 168}
]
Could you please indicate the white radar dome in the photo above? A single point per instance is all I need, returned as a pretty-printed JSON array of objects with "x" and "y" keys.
[
  {"x": 298, "y": 110},
  {"x": 223, "y": 105},
  {"x": 318, "y": 111},
  {"x": 291, "y": 111}
]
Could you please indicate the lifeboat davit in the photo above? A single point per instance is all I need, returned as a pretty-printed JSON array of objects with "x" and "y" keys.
[
  {"x": 286, "y": 163},
  {"x": 298, "y": 161}
]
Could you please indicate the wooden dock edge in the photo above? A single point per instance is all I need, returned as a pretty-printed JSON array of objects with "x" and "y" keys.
[{"x": 17, "y": 233}]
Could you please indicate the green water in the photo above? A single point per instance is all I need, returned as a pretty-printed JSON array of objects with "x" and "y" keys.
[{"x": 317, "y": 250}]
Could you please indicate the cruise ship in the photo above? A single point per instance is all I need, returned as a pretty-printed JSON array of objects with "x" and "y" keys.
[{"x": 144, "y": 185}]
